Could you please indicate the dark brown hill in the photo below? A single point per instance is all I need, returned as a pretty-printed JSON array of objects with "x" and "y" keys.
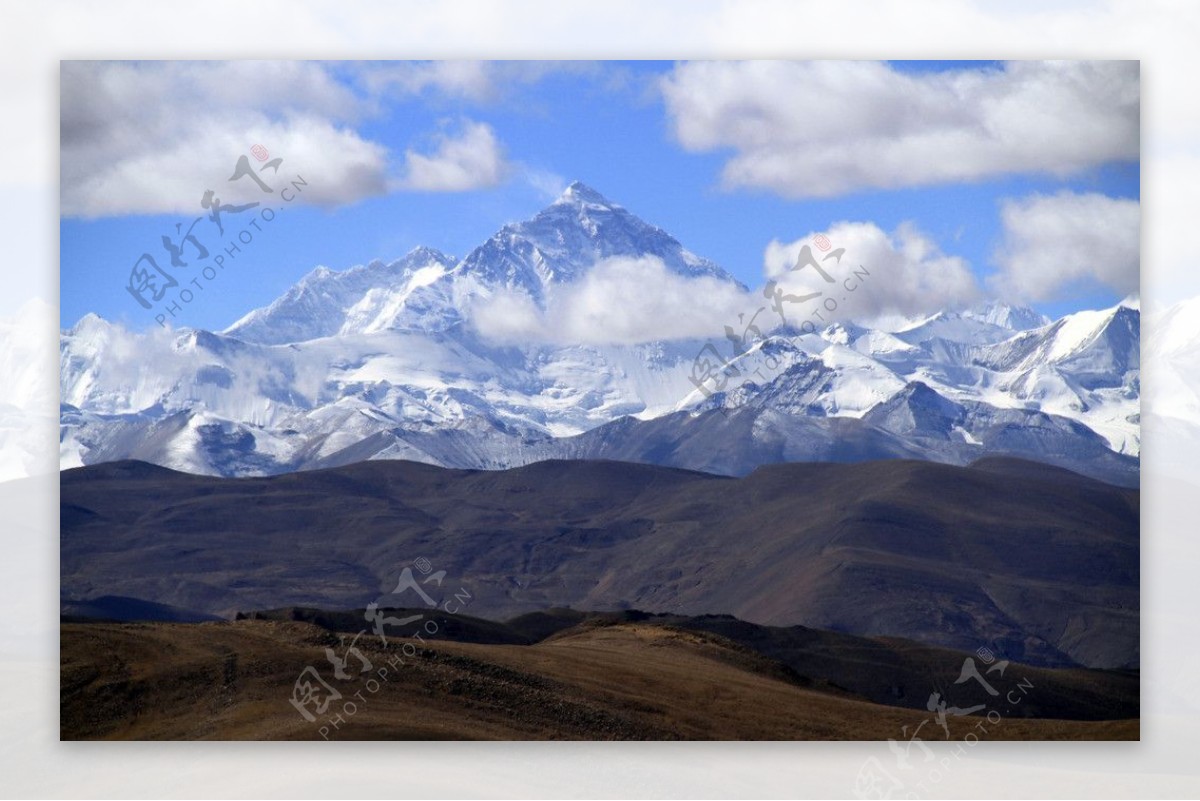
[{"x": 1037, "y": 563}]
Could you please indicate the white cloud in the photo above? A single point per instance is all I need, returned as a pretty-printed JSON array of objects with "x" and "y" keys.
[
  {"x": 546, "y": 183},
  {"x": 907, "y": 274},
  {"x": 626, "y": 301},
  {"x": 472, "y": 159},
  {"x": 144, "y": 138},
  {"x": 468, "y": 79},
  {"x": 825, "y": 128},
  {"x": 1054, "y": 243},
  {"x": 619, "y": 301},
  {"x": 152, "y": 137},
  {"x": 476, "y": 81}
]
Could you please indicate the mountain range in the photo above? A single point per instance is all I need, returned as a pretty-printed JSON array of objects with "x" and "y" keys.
[
  {"x": 384, "y": 361},
  {"x": 1037, "y": 563}
]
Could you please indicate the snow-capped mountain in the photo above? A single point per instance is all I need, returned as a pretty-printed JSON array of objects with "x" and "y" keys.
[
  {"x": 327, "y": 303},
  {"x": 428, "y": 291},
  {"x": 1011, "y": 318},
  {"x": 993, "y": 322},
  {"x": 382, "y": 361}
]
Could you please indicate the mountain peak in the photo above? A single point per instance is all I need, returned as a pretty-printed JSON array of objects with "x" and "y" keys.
[
  {"x": 88, "y": 322},
  {"x": 918, "y": 408},
  {"x": 422, "y": 254},
  {"x": 1006, "y": 315},
  {"x": 567, "y": 238},
  {"x": 578, "y": 193}
]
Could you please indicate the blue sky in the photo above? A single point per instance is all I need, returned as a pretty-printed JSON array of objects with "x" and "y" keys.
[{"x": 687, "y": 158}]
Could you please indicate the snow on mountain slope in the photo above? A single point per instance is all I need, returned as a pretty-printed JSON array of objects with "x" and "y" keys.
[
  {"x": 1013, "y": 318},
  {"x": 429, "y": 291},
  {"x": 982, "y": 325},
  {"x": 866, "y": 340},
  {"x": 304, "y": 401},
  {"x": 1100, "y": 343},
  {"x": 378, "y": 362},
  {"x": 327, "y": 303},
  {"x": 953, "y": 327},
  {"x": 1086, "y": 365},
  {"x": 565, "y": 239}
]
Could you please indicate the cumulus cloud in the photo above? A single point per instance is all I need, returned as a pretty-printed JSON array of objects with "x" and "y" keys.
[
  {"x": 470, "y": 159},
  {"x": 906, "y": 273},
  {"x": 145, "y": 138},
  {"x": 1055, "y": 243},
  {"x": 876, "y": 277},
  {"x": 467, "y": 79},
  {"x": 825, "y": 128},
  {"x": 152, "y": 138},
  {"x": 619, "y": 301},
  {"x": 476, "y": 81}
]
